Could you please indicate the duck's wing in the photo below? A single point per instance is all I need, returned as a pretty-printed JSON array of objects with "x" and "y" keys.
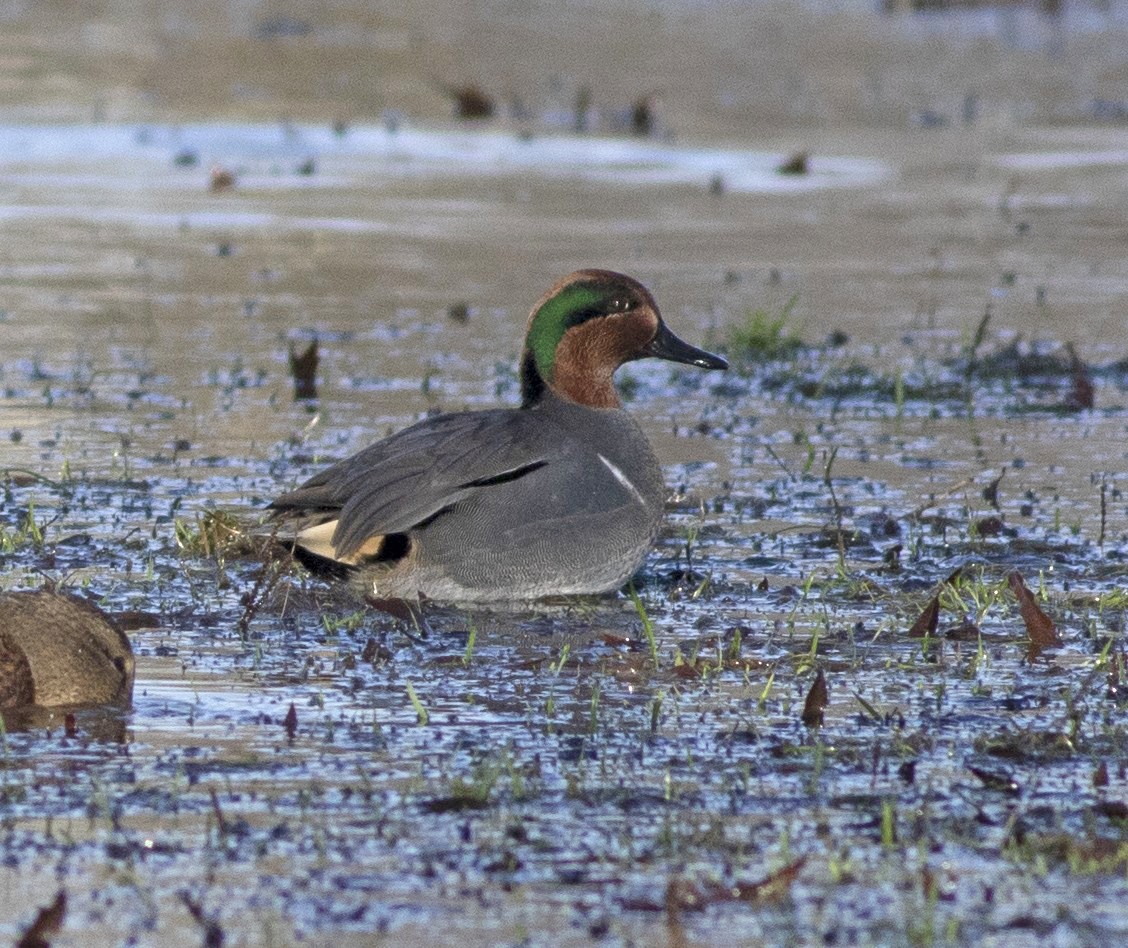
[{"x": 406, "y": 479}]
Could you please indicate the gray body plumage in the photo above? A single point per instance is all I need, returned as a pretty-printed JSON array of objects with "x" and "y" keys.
[{"x": 511, "y": 504}]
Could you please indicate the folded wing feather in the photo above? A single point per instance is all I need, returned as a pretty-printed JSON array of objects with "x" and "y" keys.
[{"x": 406, "y": 479}]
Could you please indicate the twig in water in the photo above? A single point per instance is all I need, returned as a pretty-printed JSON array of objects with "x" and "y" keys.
[{"x": 837, "y": 507}]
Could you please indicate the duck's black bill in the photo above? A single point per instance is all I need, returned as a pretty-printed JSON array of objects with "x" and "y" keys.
[{"x": 668, "y": 346}]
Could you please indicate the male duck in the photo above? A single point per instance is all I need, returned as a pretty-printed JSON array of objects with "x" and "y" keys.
[{"x": 560, "y": 496}]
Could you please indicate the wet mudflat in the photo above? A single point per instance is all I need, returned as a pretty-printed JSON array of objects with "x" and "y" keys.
[{"x": 904, "y": 403}]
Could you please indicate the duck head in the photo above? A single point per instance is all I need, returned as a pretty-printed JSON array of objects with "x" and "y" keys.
[{"x": 588, "y": 325}]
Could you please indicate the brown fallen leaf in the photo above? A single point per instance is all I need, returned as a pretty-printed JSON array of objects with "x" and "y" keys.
[
  {"x": 991, "y": 491},
  {"x": 1040, "y": 629},
  {"x": 1081, "y": 396},
  {"x": 684, "y": 895},
  {"x": 989, "y": 526},
  {"x": 303, "y": 370},
  {"x": 966, "y": 631},
  {"x": 470, "y": 101},
  {"x": 796, "y": 164},
  {"x": 617, "y": 641},
  {"x": 686, "y": 670},
  {"x": 131, "y": 620},
  {"x": 642, "y": 115},
  {"x": 1100, "y": 775},
  {"x": 47, "y": 922},
  {"x": 996, "y": 780},
  {"x": 770, "y": 888},
  {"x": 817, "y": 700},
  {"x": 925, "y": 625},
  {"x": 220, "y": 179}
]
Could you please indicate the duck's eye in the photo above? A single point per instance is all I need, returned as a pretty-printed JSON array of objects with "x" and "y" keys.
[{"x": 621, "y": 305}]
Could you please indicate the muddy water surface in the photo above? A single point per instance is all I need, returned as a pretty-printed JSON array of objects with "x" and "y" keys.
[{"x": 570, "y": 784}]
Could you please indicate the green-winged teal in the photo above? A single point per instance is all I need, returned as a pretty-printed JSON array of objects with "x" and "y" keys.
[
  {"x": 58, "y": 649},
  {"x": 560, "y": 496}
]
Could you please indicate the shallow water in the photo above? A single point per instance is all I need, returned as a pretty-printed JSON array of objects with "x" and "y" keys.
[{"x": 565, "y": 788}]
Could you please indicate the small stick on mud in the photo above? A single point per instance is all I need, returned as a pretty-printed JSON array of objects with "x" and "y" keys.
[
  {"x": 973, "y": 353},
  {"x": 782, "y": 466},
  {"x": 220, "y": 819},
  {"x": 213, "y": 933},
  {"x": 954, "y": 489},
  {"x": 265, "y": 581},
  {"x": 1104, "y": 511},
  {"x": 837, "y": 507}
]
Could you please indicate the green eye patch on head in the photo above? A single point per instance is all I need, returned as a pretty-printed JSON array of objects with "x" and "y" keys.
[{"x": 570, "y": 307}]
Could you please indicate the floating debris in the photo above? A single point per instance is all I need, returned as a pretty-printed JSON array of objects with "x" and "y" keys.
[
  {"x": 470, "y": 101},
  {"x": 642, "y": 119},
  {"x": 996, "y": 780},
  {"x": 817, "y": 700},
  {"x": 303, "y": 370},
  {"x": 798, "y": 164},
  {"x": 581, "y": 109},
  {"x": 220, "y": 179},
  {"x": 48, "y": 922},
  {"x": 925, "y": 625},
  {"x": 212, "y": 931},
  {"x": 1040, "y": 628},
  {"x": 1082, "y": 394},
  {"x": 991, "y": 491}
]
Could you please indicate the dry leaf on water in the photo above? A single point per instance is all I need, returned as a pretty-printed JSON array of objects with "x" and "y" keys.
[
  {"x": 817, "y": 700},
  {"x": 47, "y": 922},
  {"x": 685, "y": 895},
  {"x": 925, "y": 625},
  {"x": 1082, "y": 393},
  {"x": 303, "y": 370},
  {"x": 996, "y": 780},
  {"x": 1040, "y": 627},
  {"x": 991, "y": 491}
]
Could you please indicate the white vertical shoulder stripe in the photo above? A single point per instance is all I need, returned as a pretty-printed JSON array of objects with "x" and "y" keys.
[{"x": 623, "y": 479}]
